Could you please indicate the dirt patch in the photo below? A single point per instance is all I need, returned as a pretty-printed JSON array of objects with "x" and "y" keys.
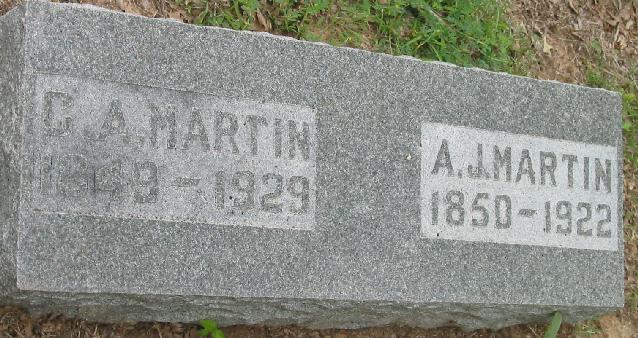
[
  {"x": 6, "y": 5},
  {"x": 16, "y": 323},
  {"x": 149, "y": 8},
  {"x": 571, "y": 35},
  {"x": 612, "y": 326}
]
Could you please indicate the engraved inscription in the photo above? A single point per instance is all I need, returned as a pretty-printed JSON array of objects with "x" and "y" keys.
[
  {"x": 486, "y": 186},
  {"x": 121, "y": 150}
]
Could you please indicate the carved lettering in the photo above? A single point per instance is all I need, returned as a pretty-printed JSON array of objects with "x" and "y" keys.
[
  {"x": 114, "y": 123},
  {"x": 146, "y": 182},
  {"x": 561, "y": 193},
  {"x": 183, "y": 157},
  {"x": 225, "y": 125},
  {"x": 197, "y": 131},
  {"x": 255, "y": 123},
  {"x": 163, "y": 120},
  {"x": 73, "y": 180},
  {"x": 298, "y": 138},
  {"x": 61, "y": 103}
]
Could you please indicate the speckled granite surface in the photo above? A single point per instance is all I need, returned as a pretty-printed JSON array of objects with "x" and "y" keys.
[{"x": 161, "y": 171}]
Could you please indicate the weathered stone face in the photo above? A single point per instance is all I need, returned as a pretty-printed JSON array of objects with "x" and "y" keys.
[
  {"x": 160, "y": 154},
  {"x": 160, "y": 171},
  {"x": 11, "y": 61},
  {"x": 489, "y": 186}
]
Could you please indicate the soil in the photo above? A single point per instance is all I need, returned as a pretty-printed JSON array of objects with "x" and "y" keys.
[{"x": 568, "y": 38}]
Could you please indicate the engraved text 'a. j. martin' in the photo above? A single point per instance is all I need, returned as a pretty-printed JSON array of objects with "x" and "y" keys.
[
  {"x": 487, "y": 186},
  {"x": 121, "y": 150}
]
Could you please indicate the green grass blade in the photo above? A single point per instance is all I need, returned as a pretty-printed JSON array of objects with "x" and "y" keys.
[{"x": 554, "y": 326}]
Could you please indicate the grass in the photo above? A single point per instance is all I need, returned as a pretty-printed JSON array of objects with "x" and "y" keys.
[
  {"x": 210, "y": 329},
  {"x": 554, "y": 326},
  {"x": 463, "y": 32},
  {"x": 626, "y": 84},
  {"x": 587, "y": 328},
  {"x": 632, "y": 299},
  {"x": 598, "y": 75}
]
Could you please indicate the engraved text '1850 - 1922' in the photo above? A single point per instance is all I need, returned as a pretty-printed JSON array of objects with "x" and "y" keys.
[{"x": 488, "y": 186}]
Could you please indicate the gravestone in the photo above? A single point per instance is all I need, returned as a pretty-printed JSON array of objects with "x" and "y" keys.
[{"x": 153, "y": 170}]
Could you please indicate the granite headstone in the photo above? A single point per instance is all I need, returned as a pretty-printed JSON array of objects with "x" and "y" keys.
[{"x": 153, "y": 170}]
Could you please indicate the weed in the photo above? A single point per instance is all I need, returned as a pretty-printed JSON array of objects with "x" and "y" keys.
[
  {"x": 597, "y": 48},
  {"x": 554, "y": 326},
  {"x": 632, "y": 300},
  {"x": 630, "y": 122},
  {"x": 587, "y": 328},
  {"x": 596, "y": 77},
  {"x": 210, "y": 329}
]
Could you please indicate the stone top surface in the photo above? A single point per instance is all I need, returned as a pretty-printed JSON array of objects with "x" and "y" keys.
[{"x": 144, "y": 170}]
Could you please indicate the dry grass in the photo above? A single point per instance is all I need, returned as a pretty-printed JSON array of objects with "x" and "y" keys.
[
  {"x": 569, "y": 36},
  {"x": 15, "y": 323},
  {"x": 6, "y": 5}
]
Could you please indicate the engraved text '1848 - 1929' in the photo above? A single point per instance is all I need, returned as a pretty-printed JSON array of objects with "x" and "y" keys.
[{"x": 132, "y": 151}]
